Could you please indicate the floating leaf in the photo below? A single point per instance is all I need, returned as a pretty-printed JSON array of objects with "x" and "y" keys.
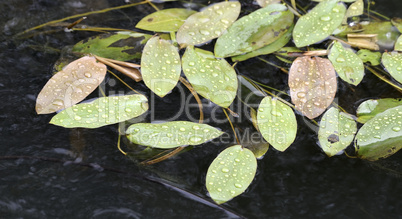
[
  {"x": 102, "y": 111},
  {"x": 387, "y": 34},
  {"x": 397, "y": 22},
  {"x": 381, "y": 136},
  {"x": 337, "y": 130},
  {"x": 398, "y": 44},
  {"x": 369, "y": 108},
  {"x": 160, "y": 66},
  {"x": 167, "y": 20},
  {"x": 212, "y": 78},
  {"x": 230, "y": 173},
  {"x": 318, "y": 23},
  {"x": 208, "y": 24},
  {"x": 369, "y": 56},
  {"x": 71, "y": 85},
  {"x": 355, "y": 9},
  {"x": 392, "y": 61},
  {"x": 347, "y": 64},
  {"x": 312, "y": 83},
  {"x": 277, "y": 123},
  {"x": 123, "y": 45},
  {"x": 254, "y": 31},
  {"x": 171, "y": 134},
  {"x": 264, "y": 3},
  {"x": 340, "y": 0}
]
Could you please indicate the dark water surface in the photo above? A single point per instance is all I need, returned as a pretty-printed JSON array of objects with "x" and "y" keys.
[{"x": 52, "y": 172}]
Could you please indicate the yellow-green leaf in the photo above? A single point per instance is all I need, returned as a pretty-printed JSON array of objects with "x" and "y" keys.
[
  {"x": 369, "y": 56},
  {"x": 264, "y": 3},
  {"x": 167, "y": 20},
  {"x": 369, "y": 108},
  {"x": 392, "y": 61},
  {"x": 355, "y": 9},
  {"x": 398, "y": 44}
]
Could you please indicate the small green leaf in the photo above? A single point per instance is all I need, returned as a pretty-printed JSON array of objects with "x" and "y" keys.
[
  {"x": 398, "y": 44},
  {"x": 355, "y": 9},
  {"x": 397, "y": 22},
  {"x": 171, "y": 134},
  {"x": 264, "y": 3},
  {"x": 381, "y": 136},
  {"x": 337, "y": 130},
  {"x": 208, "y": 24},
  {"x": 212, "y": 78},
  {"x": 369, "y": 56},
  {"x": 277, "y": 123},
  {"x": 230, "y": 173},
  {"x": 369, "y": 108},
  {"x": 102, "y": 111},
  {"x": 318, "y": 23},
  {"x": 167, "y": 20},
  {"x": 347, "y": 64},
  {"x": 160, "y": 66},
  {"x": 254, "y": 31},
  {"x": 392, "y": 61}
]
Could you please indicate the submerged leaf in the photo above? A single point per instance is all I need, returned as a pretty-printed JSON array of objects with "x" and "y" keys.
[
  {"x": 369, "y": 56},
  {"x": 167, "y": 20},
  {"x": 369, "y": 108},
  {"x": 171, "y": 134},
  {"x": 392, "y": 61},
  {"x": 313, "y": 85},
  {"x": 102, "y": 111},
  {"x": 212, "y": 78},
  {"x": 160, "y": 66},
  {"x": 230, "y": 173},
  {"x": 381, "y": 136},
  {"x": 71, "y": 85}
]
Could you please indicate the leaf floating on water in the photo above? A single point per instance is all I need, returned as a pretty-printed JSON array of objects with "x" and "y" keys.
[
  {"x": 336, "y": 132},
  {"x": 71, "y": 85},
  {"x": 160, "y": 66},
  {"x": 318, "y": 23},
  {"x": 369, "y": 108},
  {"x": 102, "y": 111},
  {"x": 313, "y": 85},
  {"x": 212, "y": 78},
  {"x": 392, "y": 61},
  {"x": 347, "y": 64},
  {"x": 208, "y": 24},
  {"x": 171, "y": 134},
  {"x": 355, "y": 9},
  {"x": 277, "y": 123},
  {"x": 254, "y": 31},
  {"x": 168, "y": 20},
  {"x": 398, "y": 44},
  {"x": 230, "y": 173},
  {"x": 381, "y": 136},
  {"x": 368, "y": 56},
  {"x": 264, "y": 3},
  {"x": 397, "y": 22}
]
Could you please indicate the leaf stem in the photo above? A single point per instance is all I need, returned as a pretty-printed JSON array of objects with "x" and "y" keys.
[
  {"x": 163, "y": 157},
  {"x": 230, "y": 122},
  {"x": 122, "y": 81},
  {"x": 197, "y": 98},
  {"x": 118, "y": 145},
  {"x": 270, "y": 63},
  {"x": 383, "y": 78}
]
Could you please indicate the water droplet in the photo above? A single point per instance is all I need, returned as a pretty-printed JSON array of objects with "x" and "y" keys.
[
  {"x": 191, "y": 33},
  {"x": 276, "y": 113},
  {"x": 203, "y": 19},
  {"x": 182, "y": 129},
  {"x": 377, "y": 136},
  {"x": 204, "y": 32},
  {"x": 225, "y": 170},
  {"x": 377, "y": 127},
  {"x": 215, "y": 74},
  {"x": 237, "y": 160},
  {"x": 196, "y": 127},
  {"x": 396, "y": 129},
  {"x": 237, "y": 185},
  {"x": 77, "y": 118},
  {"x": 58, "y": 103},
  {"x": 195, "y": 139},
  {"x": 301, "y": 95},
  {"x": 340, "y": 59},
  {"x": 325, "y": 18},
  {"x": 191, "y": 63},
  {"x": 127, "y": 110},
  {"x": 224, "y": 21},
  {"x": 219, "y": 190}
]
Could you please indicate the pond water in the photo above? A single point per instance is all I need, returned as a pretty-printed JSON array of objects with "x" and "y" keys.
[{"x": 51, "y": 172}]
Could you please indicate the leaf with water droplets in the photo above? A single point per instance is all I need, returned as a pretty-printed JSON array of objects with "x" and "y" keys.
[
  {"x": 171, "y": 134},
  {"x": 160, "y": 66},
  {"x": 381, "y": 136},
  {"x": 102, "y": 111},
  {"x": 212, "y": 78},
  {"x": 231, "y": 172},
  {"x": 340, "y": 0},
  {"x": 347, "y": 64},
  {"x": 167, "y": 20},
  {"x": 392, "y": 61},
  {"x": 71, "y": 85},
  {"x": 336, "y": 132},
  {"x": 318, "y": 23},
  {"x": 277, "y": 123},
  {"x": 313, "y": 85},
  {"x": 264, "y": 3},
  {"x": 254, "y": 31},
  {"x": 398, "y": 44},
  {"x": 208, "y": 24},
  {"x": 369, "y": 56},
  {"x": 369, "y": 108},
  {"x": 355, "y": 9}
]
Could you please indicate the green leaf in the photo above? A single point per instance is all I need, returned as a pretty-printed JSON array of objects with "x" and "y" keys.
[
  {"x": 277, "y": 123},
  {"x": 381, "y": 136},
  {"x": 398, "y": 44},
  {"x": 397, "y": 22},
  {"x": 387, "y": 34},
  {"x": 369, "y": 108},
  {"x": 355, "y": 9},
  {"x": 208, "y": 24},
  {"x": 347, "y": 64},
  {"x": 123, "y": 45},
  {"x": 102, "y": 111},
  {"x": 171, "y": 134},
  {"x": 336, "y": 132},
  {"x": 264, "y": 3},
  {"x": 167, "y": 20},
  {"x": 318, "y": 23},
  {"x": 254, "y": 31},
  {"x": 160, "y": 66},
  {"x": 392, "y": 61},
  {"x": 230, "y": 173},
  {"x": 71, "y": 85},
  {"x": 212, "y": 78},
  {"x": 369, "y": 56}
]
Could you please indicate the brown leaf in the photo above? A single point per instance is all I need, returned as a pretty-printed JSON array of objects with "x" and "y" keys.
[
  {"x": 70, "y": 85},
  {"x": 313, "y": 85}
]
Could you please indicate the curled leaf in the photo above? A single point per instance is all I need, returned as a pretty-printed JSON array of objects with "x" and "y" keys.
[
  {"x": 167, "y": 20},
  {"x": 392, "y": 61},
  {"x": 369, "y": 108}
]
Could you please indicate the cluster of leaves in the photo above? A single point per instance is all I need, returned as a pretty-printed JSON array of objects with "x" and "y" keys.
[{"x": 312, "y": 82}]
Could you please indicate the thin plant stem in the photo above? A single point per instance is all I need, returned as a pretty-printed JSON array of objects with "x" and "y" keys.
[
  {"x": 277, "y": 66},
  {"x": 383, "y": 78},
  {"x": 197, "y": 98},
  {"x": 162, "y": 158},
  {"x": 122, "y": 81},
  {"x": 118, "y": 145},
  {"x": 231, "y": 125}
]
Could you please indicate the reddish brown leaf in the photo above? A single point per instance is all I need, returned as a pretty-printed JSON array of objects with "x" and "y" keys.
[{"x": 313, "y": 85}]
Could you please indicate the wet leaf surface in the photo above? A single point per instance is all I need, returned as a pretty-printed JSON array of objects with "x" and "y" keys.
[
  {"x": 398, "y": 44},
  {"x": 369, "y": 108},
  {"x": 264, "y": 3},
  {"x": 397, "y": 22},
  {"x": 168, "y": 20},
  {"x": 230, "y": 173},
  {"x": 171, "y": 134},
  {"x": 160, "y": 66},
  {"x": 71, "y": 85},
  {"x": 313, "y": 85},
  {"x": 392, "y": 61},
  {"x": 355, "y": 9},
  {"x": 102, "y": 111},
  {"x": 369, "y": 56}
]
